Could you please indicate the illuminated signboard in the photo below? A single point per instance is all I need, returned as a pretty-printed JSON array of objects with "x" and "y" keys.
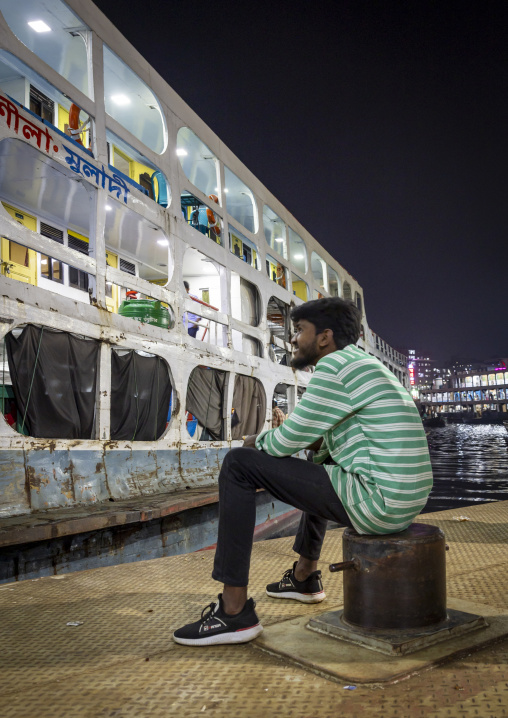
[{"x": 411, "y": 374}]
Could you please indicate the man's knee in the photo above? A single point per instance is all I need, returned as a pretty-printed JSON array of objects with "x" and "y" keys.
[{"x": 236, "y": 462}]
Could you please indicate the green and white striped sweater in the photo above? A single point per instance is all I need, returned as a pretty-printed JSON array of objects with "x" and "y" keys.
[{"x": 373, "y": 433}]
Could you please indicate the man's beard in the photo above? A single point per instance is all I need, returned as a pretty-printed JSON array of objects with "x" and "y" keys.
[{"x": 304, "y": 360}]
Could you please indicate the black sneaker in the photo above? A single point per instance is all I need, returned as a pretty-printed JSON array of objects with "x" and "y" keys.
[
  {"x": 308, "y": 591},
  {"x": 216, "y": 626}
]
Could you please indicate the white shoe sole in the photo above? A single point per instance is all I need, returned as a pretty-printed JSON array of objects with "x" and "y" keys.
[
  {"x": 242, "y": 636},
  {"x": 302, "y": 597}
]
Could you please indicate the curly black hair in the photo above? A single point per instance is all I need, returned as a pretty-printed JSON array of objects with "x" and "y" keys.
[{"x": 339, "y": 315}]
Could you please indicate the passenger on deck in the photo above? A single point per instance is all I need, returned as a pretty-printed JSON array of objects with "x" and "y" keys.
[
  {"x": 190, "y": 320},
  {"x": 371, "y": 469}
]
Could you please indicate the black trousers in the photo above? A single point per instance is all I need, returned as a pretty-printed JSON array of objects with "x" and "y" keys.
[{"x": 302, "y": 484}]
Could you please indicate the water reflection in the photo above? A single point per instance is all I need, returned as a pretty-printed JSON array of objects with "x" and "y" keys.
[{"x": 470, "y": 465}]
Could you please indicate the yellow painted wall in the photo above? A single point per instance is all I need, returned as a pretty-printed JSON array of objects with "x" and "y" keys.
[{"x": 300, "y": 289}]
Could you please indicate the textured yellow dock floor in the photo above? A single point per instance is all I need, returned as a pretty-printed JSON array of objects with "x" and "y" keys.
[{"x": 121, "y": 661}]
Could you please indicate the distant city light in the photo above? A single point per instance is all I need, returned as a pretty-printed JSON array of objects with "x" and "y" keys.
[{"x": 39, "y": 26}]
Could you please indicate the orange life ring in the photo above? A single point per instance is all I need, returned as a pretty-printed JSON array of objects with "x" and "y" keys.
[
  {"x": 74, "y": 122},
  {"x": 212, "y": 219}
]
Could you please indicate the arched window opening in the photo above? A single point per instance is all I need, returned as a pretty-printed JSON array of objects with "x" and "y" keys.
[
  {"x": 248, "y": 411},
  {"x": 297, "y": 251},
  {"x": 245, "y": 300},
  {"x": 240, "y": 201},
  {"x": 198, "y": 162},
  {"x": 53, "y": 376},
  {"x": 279, "y": 326},
  {"x": 202, "y": 275},
  {"x": 276, "y": 271},
  {"x": 132, "y": 103},
  {"x": 280, "y": 402},
  {"x": 275, "y": 231},
  {"x": 141, "y": 390},
  {"x": 205, "y": 404},
  {"x": 243, "y": 248},
  {"x": 300, "y": 288},
  {"x": 43, "y": 100},
  {"x": 347, "y": 291},
  {"x": 201, "y": 217},
  {"x": 138, "y": 170},
  {"x": 53, "y": 33},
  {"x": 358, "y": 301},
  {"x": 333, "y": 282},
  {"x": 318, "y": 268}
]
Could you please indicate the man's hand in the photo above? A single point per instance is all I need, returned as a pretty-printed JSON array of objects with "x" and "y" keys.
[{"x": 249, "y": 442}]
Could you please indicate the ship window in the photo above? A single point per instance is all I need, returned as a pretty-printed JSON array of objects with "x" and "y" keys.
[
  {"x": 204, "y": 278},
  {"x": 240, "y": 201},
  {"x": 198, "y": 162},
  {"x": 62, "y": 46},
  {"x": 201, "y": 217},
  {"x": 140, "y": 395},
  {"x": 300, "y": 288},
  {"x": 279, "y": 326},
  {"x": 55, "y": 396},
  {"x": 33, "y": 92},
  {"x": 246, "y": 344},
  {"x": 280, "y": 399},
  {"x": 333, "y": 282},
  {"x": 144, "y": 175},
  {"x": 248, "y": 412},
  {"x": 137, "y": 247},
  {"x": 245, "y": 300},
  {"x": 318, "y": 267},
  {"x": 244, "y": 248},
  {"x": 275, "y": 231},
  {"x": 276, "y": 271},
  {"x": 205, "y": 406},
  {"x": 347, "y": 291},
  {"x": 297, "y": 251},
  {"x": 358, "y": 301},
  {"x": 132, "y": 103}
]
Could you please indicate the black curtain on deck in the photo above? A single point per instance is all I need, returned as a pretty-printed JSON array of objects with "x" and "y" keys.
[
  {"x": 53, "y": 377},
  {"x": 140, "y": 396},
  {"x": 205, "y": 398}
]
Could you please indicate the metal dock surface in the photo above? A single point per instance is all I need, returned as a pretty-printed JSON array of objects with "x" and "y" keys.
[{"x": 121, "y": 662}]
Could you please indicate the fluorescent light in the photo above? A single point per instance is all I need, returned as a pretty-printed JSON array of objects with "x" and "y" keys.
[
  {"x": 298, "y": 256},
  {"x": 279, "y": 239},
  {"x": 181, "y": 152},
  {"x": 163, "y": 242},
  {"x": 121, "y": 100},
  {"x": 108, "y": 208},
  {"x": 39, "y": 26}
]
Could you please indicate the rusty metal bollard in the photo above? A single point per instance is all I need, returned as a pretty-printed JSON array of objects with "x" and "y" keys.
[{"x": 394, "y": 581}]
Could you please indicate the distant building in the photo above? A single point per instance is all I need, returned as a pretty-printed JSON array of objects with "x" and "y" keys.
[
  {"x": 473, "y": 387},
  {"x": 395, "y": 361},
  {"x": 421, "y": 372}
]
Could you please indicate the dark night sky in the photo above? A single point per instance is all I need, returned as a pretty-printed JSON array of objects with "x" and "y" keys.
[{"x": 391, "y": 118}]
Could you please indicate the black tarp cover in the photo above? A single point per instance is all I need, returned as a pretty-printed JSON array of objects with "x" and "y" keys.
[
  {"x": 205, "y": 398},
  {"x": 140, "y": 396},
  {"x": 56, "y": 373}
]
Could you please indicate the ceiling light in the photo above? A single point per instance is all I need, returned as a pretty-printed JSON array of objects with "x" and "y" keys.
[
  {"x": 298, "y": 256},
  {"x": 39, "y": 26},
  {"x": 181, "y": 152},
  {"x": 163, "y": 242},
  {"x": 108, "y": 208},
  {"x": 279, "y": 239},
  {"x": 121, "y": 100}
]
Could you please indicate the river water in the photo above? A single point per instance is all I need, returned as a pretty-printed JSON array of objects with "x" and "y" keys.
[{"x": 470, "y": 465}]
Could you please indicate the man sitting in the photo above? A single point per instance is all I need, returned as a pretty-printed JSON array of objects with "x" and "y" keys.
[{"x": 371, "y": 469}]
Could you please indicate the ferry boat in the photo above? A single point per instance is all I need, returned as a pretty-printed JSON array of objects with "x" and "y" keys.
[{"x": 116, "y": 381}]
